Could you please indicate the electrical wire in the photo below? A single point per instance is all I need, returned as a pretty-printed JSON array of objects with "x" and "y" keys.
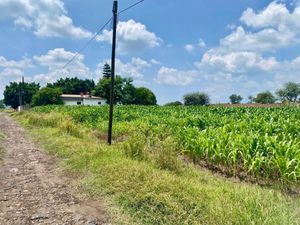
[
  {"x": 135, "y": 4},
  {"x": 87, "y": 44},
  {"x": 97, "y": 33}
]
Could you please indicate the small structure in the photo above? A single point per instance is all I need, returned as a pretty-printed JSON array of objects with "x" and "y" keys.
[{"x": 82, "y": 99}]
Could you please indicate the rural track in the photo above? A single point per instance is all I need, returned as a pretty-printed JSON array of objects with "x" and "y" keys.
[{"x": 33, "y": 191}]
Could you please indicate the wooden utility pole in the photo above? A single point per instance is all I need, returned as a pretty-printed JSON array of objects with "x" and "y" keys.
[{"x": 113, "y": 57}]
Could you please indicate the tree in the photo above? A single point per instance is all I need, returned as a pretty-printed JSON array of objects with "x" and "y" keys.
[
  {"x": 47, "y": 96},
  {"x": 265, "y": 98},
  {"x": 176, "y": 103},
  {"x": 128, "y": 92},
  {"x": 2, "y": 106},
  {"x": 13, "y": 91},
  {"x": 235, "y": 99},
  {"x": 73, "y": 85},
  {"x": 251, "y": 99},
  {"x": 144, "y": 96},
  {"x": 196, "y": 98},
  {"x": 290, "y": 92},
  {"x": 102, "y": 89},
  {"x": 106, "y": 71}
]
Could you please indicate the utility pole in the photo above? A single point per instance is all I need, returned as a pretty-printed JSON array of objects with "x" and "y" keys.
[
  {"x": 113, "y": 57},
  {"x": 20, "y": 93}
]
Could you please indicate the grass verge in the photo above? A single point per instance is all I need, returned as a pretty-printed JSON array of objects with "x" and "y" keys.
[{"x": 150, "y": 191}]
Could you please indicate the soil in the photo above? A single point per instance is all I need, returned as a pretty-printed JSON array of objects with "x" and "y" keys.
[{"x": 33, "y": 189}]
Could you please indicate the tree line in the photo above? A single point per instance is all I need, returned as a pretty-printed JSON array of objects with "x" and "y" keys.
[
  {"x": 289, "y": 93},
  {"x": 32, "y": 94}
]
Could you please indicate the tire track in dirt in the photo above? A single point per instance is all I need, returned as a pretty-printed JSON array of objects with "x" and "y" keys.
[{"x": 32, "y": 191}]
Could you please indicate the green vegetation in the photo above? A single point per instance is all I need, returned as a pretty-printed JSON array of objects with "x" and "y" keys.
[
  {"x": 47, "y": 96},
  {"x": 258, "y": 142},
  {"x": 176, "y": 103},
  {"x": 142, "y": 172},
  {"x": 14, "y": 90},
  {"x": 265, "y": 98},
  {"x": 2, "y": 106},
  {"x": 235, "y": 99},
  {"x": 196, "y": 98},
  {"x": 290, "y": 92},
  {"x": 73, "y": 85}
]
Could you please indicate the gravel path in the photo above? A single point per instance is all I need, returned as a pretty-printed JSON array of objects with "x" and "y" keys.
[{"x": 32, "y": 191}]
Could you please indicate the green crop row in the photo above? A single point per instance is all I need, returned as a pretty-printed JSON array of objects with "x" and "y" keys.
[{"x": 258, "y": 142}]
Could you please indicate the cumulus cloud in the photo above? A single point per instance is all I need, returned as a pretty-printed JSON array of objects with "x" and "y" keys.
[
  {"x": 275, "y": 27},
  {"x": 235, "y": 62},
  {"x": 55, "y": 59},
  {"x": 48, "y": 18},
  {"x": 189, "y": 48},
  {"x": 132, "y": 37},
  {"x": 201, "y": 43},
  {"x": 171, "y": 76},
  {"x": 22, "y": 64},
  {"x": 133, "y": 69}
]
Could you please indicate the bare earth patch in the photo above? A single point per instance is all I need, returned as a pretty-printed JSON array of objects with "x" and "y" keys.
[{"x": 32, "y": 191}]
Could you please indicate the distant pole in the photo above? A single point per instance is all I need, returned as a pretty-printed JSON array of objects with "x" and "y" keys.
[
  {"x": 113, "y": 57},
  {"x": 20, "y": 92}
]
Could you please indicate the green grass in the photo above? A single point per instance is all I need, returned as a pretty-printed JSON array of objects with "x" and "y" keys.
[{"x": 145, "y": 187}]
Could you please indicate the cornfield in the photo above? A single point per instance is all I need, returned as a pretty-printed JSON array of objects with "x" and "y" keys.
[{"x": 257, "y": 142}]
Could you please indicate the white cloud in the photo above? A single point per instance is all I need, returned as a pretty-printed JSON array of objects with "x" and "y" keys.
[
  {"x": 273, "y": 15},
  {"x": 155, "y": 62},
  {"x": 140, "y": 63},
  {"x": 132, "y": 37},
  {"x": 133, "y": 69},
  {"x": 264, "y": 40},
  {"x": 235, "y": 62},
  {"x": 189, "y": 48},
  {"x": 22, "y": 64},
  {"x": 275, "y": 27},
  {"x": 171, "y": 76},
  {"x": 201, "y": 43},
  {"x": 55, "y": 59},
  {"x": 11, "y": 73},
  {"x": 48, "y": 18}
]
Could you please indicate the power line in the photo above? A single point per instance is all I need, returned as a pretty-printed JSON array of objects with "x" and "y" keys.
[
  {"x": 87, "y": 44},
  {"x": 135, "y": 4},
  {"x": 97, "y": 33}
]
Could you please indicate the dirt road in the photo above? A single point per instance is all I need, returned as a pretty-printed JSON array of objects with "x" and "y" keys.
[{"x": 32, "y": 191}]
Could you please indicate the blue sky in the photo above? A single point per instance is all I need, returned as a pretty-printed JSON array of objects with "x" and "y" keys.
[{"x": 172, "y": 47}]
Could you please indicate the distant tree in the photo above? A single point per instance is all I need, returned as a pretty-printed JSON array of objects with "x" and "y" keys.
[
  {"x": 265, "y": 98},
  {"x": 73, "y": 85},
  {"x": 2, "y": 106},
  {"x": 102, "y": 89},
  {"x": 128, "y": 92},
  {"x": 290, "y": 92},
  {"x": 176, "y": 103},
  {"x": 47, "y": 96},
  {"x": 106, "y": 71},
  {"x": 144, "y": 96},
  {"x": 14, "y": 90},
  {"x": 235, "y": 99},
  {"x": 196, "y": 98},
  {"x": 251, "y": 99}
]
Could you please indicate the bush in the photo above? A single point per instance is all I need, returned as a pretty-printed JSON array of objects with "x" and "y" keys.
[
  {"x": 196, "y": 98},
  {"x": 47, "y": 96},
  {"x": 177, "y": 103},
  {"x": 265, "y": 98}
]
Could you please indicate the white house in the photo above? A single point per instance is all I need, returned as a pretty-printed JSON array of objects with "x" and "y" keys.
[{"x": 69, "y": 99}]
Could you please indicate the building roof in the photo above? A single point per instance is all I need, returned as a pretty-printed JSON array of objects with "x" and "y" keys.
[{"x": 66, "y": 96}]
